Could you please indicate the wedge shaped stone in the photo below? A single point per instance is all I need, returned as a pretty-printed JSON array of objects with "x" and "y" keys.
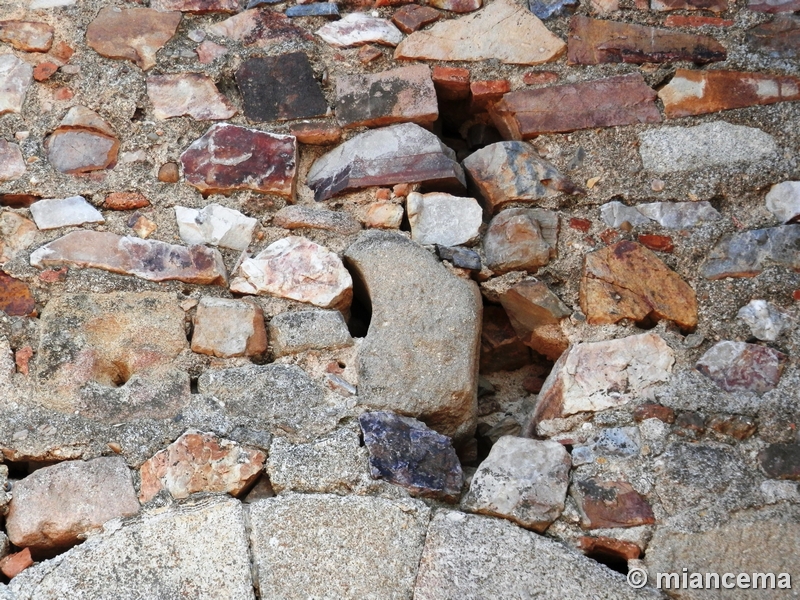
[
  {"x": 28, "y": 36},
  {"x": 192, "y": 94},
  {"x": 62, "y": 212},
  {"x": 503, "y": 30},
  {"x": 261, "y": 28},
  {"x": 357, "y": 29},
  {"x": 748, "y": 253},
  {"x": 402, "y": 153},
  {"x": 16, "y": 76}
]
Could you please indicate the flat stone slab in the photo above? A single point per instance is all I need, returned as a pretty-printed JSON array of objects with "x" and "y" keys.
[
  {"x": 610, "y": 504},
  {"x": 193, "y": 94},
  {"x": 196, "y": 6},
  {"x": 82, "y": 142},
  {"x": 28, "y": 36},
  {"x": 299, "y": 217},
  {"x": 260, "y": 28},
  {"x": 742, "y": 367},
  {"x": 521, "y": 239},
  {"x": 439, "y": 218},
  {"x": 298, "y": 331},
  {"x": 12, "y": 163},
  {"x": 314, "y": 546},
  {"x": 748, "y": 253},
  {"x": 228, "y": 328},
  {"x": 535, "y": 313},
  {"x": 357, "y": 29},
  {"x": 16, "y": 76},
  {"x": 63, "y": 212}
]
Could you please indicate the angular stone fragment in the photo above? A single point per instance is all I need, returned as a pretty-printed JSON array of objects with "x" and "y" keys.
[
  {"x": 679, "y": 215},
  {"x": 522, "y": 480},
  {"x": 402, "y": 153},
  {"x": 521, "y": 238},
  {"x": 438, "y": 218},
  {"x": 298, "y": 269},
  {"x": 63, "y": 212},
  {"x": 357, "y": 29},
  {"x": 55, "y": 506},
  {"x": 192, "y": 94},
  {"x": 593, "y": 376},
  {"x": 148, "y": 259},
  {"x": 716, "y": 6},
  {"x": 12, "y": 165},
  {"x": 742, "y": 367},
  {"x": 781, "y": 461},
  {"x": 198, "y": 549},
  {"x": 621, "y": 100},
  {"x": 451, "y": 83},
  {"x": 13, "y": 564},
  {"x": 615, "y": 213},
  {"x": 748, "y": 253},
  {"x": 215, "y": 225},
  {"x": 765, "y": 320},
  {"x": 196, "y": 6},
  {"x": 293, "y": 332},
  {"x": 403, "y": 451},
  {"x": 200, "y": 462},
  {"x": 228, "y": 328},
  {"x": 298, "y": 217},
  {"x": 16, "y": 234},
  {"x": 712, "y": 144},
  {"x": 28, "y": 36},
  {"x": 736, "y": 426},
  {"x": 393, "y": 373},
  {"x": 593, "y": 41},
  {"x": 544, "y": 9},
  {"x": 125, "y": 201},
  {"x": 700, "y": 92},
  {"x": 628, "y": 281},
  {"x": 356, "y": 546},
  {"x": 134, "y": 34},
  {"x": 536, "y": 313},
  {"x": 779, "y": 38},
  {"x": 315, "y": 133},
  {"x": 774, "y": 6},
  {"x": 783, "y": 201},
  {"x": 460, "y": 257},
  {"x": 229, "y": 158},
  {"x": 605, "y": 504},
  {"x": 16, "y": 76},
  {"x": 400, "y": 95},
  {"x": 456, "y": 6},
  {"x": 261, "y": 28},
  {"x": 83, "y": 142},
  {"x": 503, "y": 30},
  {"x": 514, "y": 172},
  {"x": 208, "y": 52},
  {"x": 315, "y": 9},
  {"x": 412, "y": 17},
  {"x": 501, "y": 349},
  {"x": 16, "y": 298},
  {"x": 277, "y": 88},
  {"x": 384, "y": 215}
]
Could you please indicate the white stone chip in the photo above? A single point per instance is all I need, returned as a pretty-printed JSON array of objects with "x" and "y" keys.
[
  {"x": 215, "y": 225},
  {"x": 63, "y": 212}
]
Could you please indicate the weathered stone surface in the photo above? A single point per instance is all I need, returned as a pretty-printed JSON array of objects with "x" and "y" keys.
[
  {"x": 628, "y": 281},
  {"x": 544, "y": 9},
  {"x": 411, "y": 17},
  {"x": 193, "y": 94},
  {"x": 712, "y": 144},
  {"x": 456, "y": 6},
  {"x": 602, "y": 546},
  {"x": 402, "y": 153},
  {"x": 402, "y": 95},
  {"x": 317, "y": 134},
  {"x": 83, "y": 142},
  {"x": 621, "y": 100},
  {"x": 299, "y": 217},
  {"x": 14, "y": 564},
  {"x": 229, "y": 158},
  {"x": 501, "y": 348},
  {"x": 535, "y": 313},
  {"x": 451, "y": 83},
  {"x": 522, "y": 480},
  {"x": 738, "y": 427},
  {"x": 384, "y": 215},
  {"x": 215, "y": 225},
  {"x": 503, "y": 30},
  {"x": 472, "y": 556},
  {"x": 261, "y": 28},
  {"x": 679, "y": 215},
  {"x": 781, "y": 461},
  {"x": 463, "y": 258},
  {"x": 438, "y": 218},
  {"x": 406, "y": 452},
  {"x": 196, "y": 550},
  {"x": 593, "y": 376},
  {"x": 748, "y": 253},
  {"x": 208, "y": 52},
  {"x": 742, "y": 367},
  {"x": 521, "y": 238},
  {"x": 16, "y": 76},
  {"x": 228, "y": 328},
  {"x": 148, "y": 259},
  {"x": 125, "y": 201},
  {"x": 293, "y": 332},
  {"x": 783, "y": 201},
  {"x": 298, "y": 269},
  {"x": 779, "y": 38},
  {"x": 773, "y": 6},
  {"x": 277, "y": 88},
  {"x": 615, "y": 213},
  {"x": 294, "y": 560},
  {"x": 699, "y": 92},
  {"x": 12, "y": 165},
  {"x": 134, "y": 34},
  {"x": 315, "y": 9},
  {"x": 357, "y": 29},
  {"x": 593, "y": 41},
  {"x": 16, "y": 297},
  {"x": 614, "y": 441},
  {"x": 765, "y": 320},
  {"x": 16, "y": 234},
  {"x": 716, "y": 6},
  {"x": 53, "y": 507},
  {"x": 200, "y": 462},
  {"x": 196, "y": 6},
  {"x": 63, "y": 212},
  {"x": 28, "y": 36},
  {"x": 393, "y": 373},
  {"x": 606, "y": 504},
  {"x": 514, "y": 172}
]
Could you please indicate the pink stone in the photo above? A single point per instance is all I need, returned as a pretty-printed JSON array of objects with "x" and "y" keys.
[
  {"x": 228, "y": 328},
  {"x": 196, "y": 6},
  {"x": 208, "y": 52},
  {"x": 16, "y": 76},
  {"x": 83, "y": 142},
  {"x": 28, "y": 36},
  {"x": 742, "y": 367},
  {"x": 262, "y": 28},
  {"x": 192, "y": 94},
  {"x": 12, "y": 165}
]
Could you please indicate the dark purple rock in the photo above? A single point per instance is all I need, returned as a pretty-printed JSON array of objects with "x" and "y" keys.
[
  {"x": 316, "y": 9},
  {"x": 406, "y": 452},
  {"x": 278, "y": 88},
  {"x": 781, "y": 461},
  {"x": 462, "y": 258},
  {"x": 544, "y": 9},
  {"x": 742, "y": 367}
]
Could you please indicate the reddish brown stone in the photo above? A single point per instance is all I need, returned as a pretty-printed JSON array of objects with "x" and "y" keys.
[
  {"x": 653, "y": 411},
  {"x": 535, "y": 313},
  {"x": 22, "y": 357},
  {"x": 14, "y": 564},
  {"x": 501, "y": 349},
  {"x": 583, "y": 225},
  {"x": 742, "y": 367},
  {"x": 62, "y": 52},
  {"x": 716, "y": 6},
  {"x": 796, "y": 295},
  {"x": 539, "y": 77},
  {"x": 368, "y": 53},
  {"x": 229, "y": 158},
  {"x": 701, "y": 92},
  {"x": 621, "y": 100},
  {"x": 63, "y": 93},
  {"x": 316, "y": 134},
  {"x": 259, "y": 27},
  {"x": 661, "y": 243},
  {"x": 695, "y": 21},
  {"x": 610, "y": 504},
  {"x": 169, "y": 173},
  {"x": 18, "y": 200},
  {"x": 28, "y": 36},
  {"x": 779, "y": 38},
  {"x": 16, "y": 298},
  {"x": 196, "y": 6},
  {"x": 593, "y": 41},
  {"x": 609, "y": 236},
  {"x": 609, "y": 547},
  {"x": 627, "y": 280},
  {"x": 488, "y": 92},
  {"x": 53, "y": 275},
  {"x": 83, "y": 142},
  {"x": 412, "y": 17},
  {"x": 451, "y": 83},
  {"x": 44, "y": 70},
  {"x": 690, "y": 424},
  {"x": 125, "y": 201},
  {"x": 736, "y": 426}
]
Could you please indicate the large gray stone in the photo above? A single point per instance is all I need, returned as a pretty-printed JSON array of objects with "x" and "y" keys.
[
  {"x": 198, "y": 550},
  {"x": 420, "y": 355},
  {"x": 471, "y": 556},
  {"x": 748, "y": 253},
  {"x": 298, "y": 331},
  {"x": 324, "y": 546},
  {"x": 438, "y": 218}
]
